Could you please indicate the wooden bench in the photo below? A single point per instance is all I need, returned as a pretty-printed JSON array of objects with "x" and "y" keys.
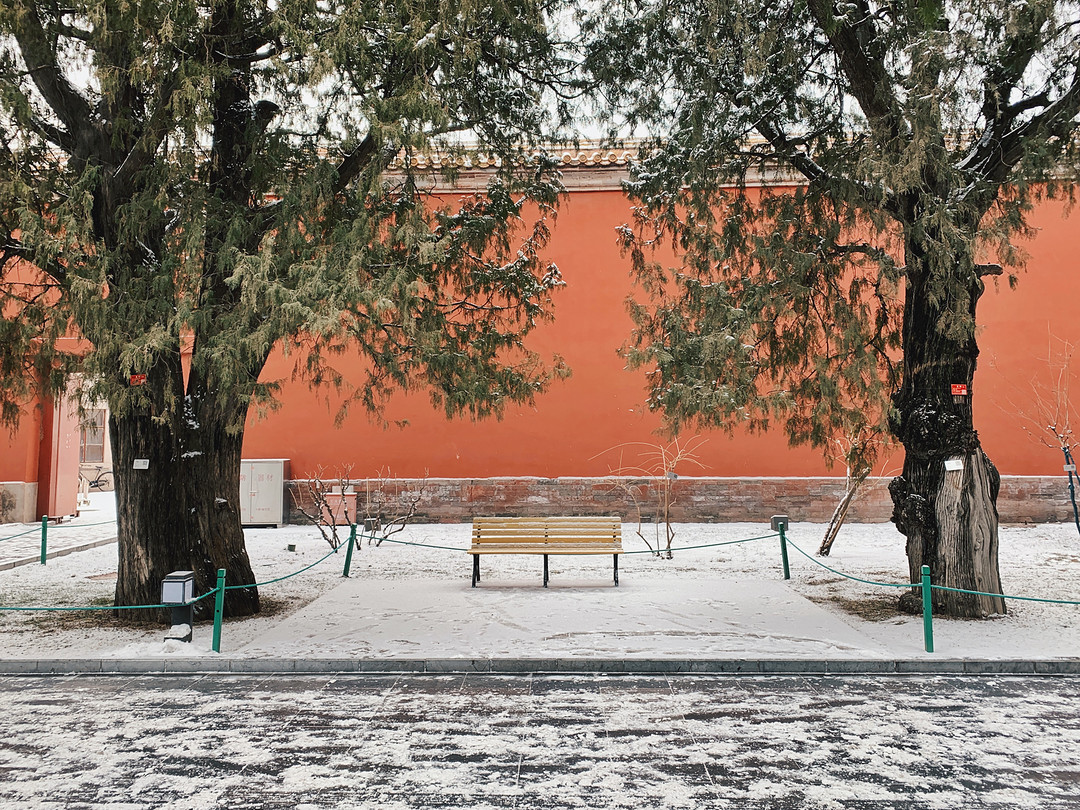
[{"x": 546, "y": 535}]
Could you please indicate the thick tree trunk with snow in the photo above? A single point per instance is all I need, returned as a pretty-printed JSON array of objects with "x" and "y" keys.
[
  {"x": 945, "y": 501},
  {"x": 182, "y": 512}
]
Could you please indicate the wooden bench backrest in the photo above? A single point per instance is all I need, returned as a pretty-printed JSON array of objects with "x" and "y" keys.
[{"x": 552, "y": 530}]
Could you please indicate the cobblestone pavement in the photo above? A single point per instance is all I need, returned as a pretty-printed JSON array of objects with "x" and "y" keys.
[{"x": 395, "y": 742}]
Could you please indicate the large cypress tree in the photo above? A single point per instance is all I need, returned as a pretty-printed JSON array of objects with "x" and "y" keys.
[
  {"x": 838, "y": 179},
  {"x": 188, "y": 185}
]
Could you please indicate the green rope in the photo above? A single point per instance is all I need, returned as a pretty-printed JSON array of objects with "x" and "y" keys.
[
  {"x": 933, "y": 587},
  {"x": 848, "y": 576},
  {"x": 58, "y": 526},
  {"x": 1006, "y": 596},
  {"x": 107, "y": 607},
  {"x": 421, "y": 545},
  {"x": 21, "y": 534},
  {"x": 640, "y": 551},
  {"x": 706, "y": 545},
  {"x": 279, "y": 579}
]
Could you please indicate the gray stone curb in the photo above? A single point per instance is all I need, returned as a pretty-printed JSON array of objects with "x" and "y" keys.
[
  {"x": 63, "y": 551},
  {"x": 525, "y": 666}
]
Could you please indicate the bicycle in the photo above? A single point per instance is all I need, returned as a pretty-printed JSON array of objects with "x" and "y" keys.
[{"x": 101, "y": 480}]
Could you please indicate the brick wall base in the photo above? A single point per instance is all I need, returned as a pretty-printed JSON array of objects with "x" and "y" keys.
[{"x": 1022, "y": 499}]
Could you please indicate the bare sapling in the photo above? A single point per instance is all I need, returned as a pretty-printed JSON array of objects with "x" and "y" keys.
[
  {"x": 332, "y": 501},
  {"x": 657, "y": 463},
  {"x": 1050, "y": 420},
  {"x": 327, "y": 502},
  {"x": 390, "y": 504}
]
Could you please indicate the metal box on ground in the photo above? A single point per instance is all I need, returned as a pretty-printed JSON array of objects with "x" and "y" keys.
[{"x": 262, "y": 491}]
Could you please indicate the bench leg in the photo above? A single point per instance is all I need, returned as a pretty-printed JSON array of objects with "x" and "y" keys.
[
  {"x": 545, "y": 570},
  {"x": 475, "y": 569},
  {"x": 616, "y": 558}
]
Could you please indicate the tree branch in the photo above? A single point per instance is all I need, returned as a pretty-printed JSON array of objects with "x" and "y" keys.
[
  {"x": 71, "y": 108},
  {"x": 815, "y": 173},
  {"x": 1056, "y": 120},
  {"x": 13, "y": 250},
  {"x": 1012, "y": 61},
  {"x": 868, "y": 81},
  {"x": 24, "y": 117},
  {"x": 154, "y": 133},
  {"x": 360, "y": 158}
]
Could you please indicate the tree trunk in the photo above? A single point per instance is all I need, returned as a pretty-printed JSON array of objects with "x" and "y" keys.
[
  {"x": 949, "y": 515},
  {"x": 181, "y": 513},
  {"x": 187, "y": 504}
]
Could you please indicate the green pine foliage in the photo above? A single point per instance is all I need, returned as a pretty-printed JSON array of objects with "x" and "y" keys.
[
  {"x": 807, "y": 162},
  {"x": 232, "y": 176}
]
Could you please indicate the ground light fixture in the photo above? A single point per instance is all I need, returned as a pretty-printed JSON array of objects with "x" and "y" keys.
[{"x": 178, "y": 591}]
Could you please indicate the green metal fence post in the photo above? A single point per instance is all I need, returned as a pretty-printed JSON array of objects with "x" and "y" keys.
[
  {"x": 348, "y": 553},
  {"x": 927, "y": 610},
  {"x": 219, "y": 609},
  {"x": 783, "y": 553},
  {"x": 44, "y": 538},
  {"x": 779, "y": 523}
]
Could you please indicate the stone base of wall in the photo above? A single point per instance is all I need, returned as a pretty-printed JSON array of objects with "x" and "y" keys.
[
  {"x": 18, "y": 502},
  {"x": 1022, "y": 499}
]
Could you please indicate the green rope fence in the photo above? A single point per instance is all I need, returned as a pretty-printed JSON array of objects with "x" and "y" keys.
[
  {"x": 1007, "y": 596},
  {"x": 704, "y": 545},
  {"x": 354, "y": 540},
  {"x": 286, "y": 576},
  {"x": 82, "y": 525},
  {"x": 934, "y": 587},
  {"x": 637, "y": 551},
  {"x": 419, "y": 545},
  {"x": 20, "y": 534},
  {"x": 927, "y": 587},
  {"x": 58, "y": 526},
  {"x": 45, "y": 533},
  {"x": 849, "y": 576},
  {"x": 103, "y": 607}
]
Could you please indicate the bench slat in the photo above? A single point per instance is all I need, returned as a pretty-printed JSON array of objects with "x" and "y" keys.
[
  {"x": 519, "y": 549},
  {"x": 564, "y": 532},
  {"x": 540, "y": 535},
  {"x": 543, "y": 521},
  {"x": 608, "y": 529}
]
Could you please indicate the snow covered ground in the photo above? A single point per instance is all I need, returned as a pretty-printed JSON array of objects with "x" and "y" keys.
[
  {"x": 415, "y": 601},
  {"x": 417, "y": 742},
  {"x": 548, "y": 741}
]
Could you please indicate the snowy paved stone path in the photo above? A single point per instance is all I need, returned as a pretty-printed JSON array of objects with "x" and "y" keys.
[{"x": 395, "y": 742}]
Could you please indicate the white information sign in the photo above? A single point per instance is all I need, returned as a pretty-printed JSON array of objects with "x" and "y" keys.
[
  {"x": 954, "y": 464},
  {"x": 141, "y": 464}
]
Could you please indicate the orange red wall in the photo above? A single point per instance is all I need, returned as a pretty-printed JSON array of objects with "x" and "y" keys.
[
  {"x": 591, "y": 424},
  {"x": 579, "y": 426},
  {"x": 1022, "y": 336}
]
